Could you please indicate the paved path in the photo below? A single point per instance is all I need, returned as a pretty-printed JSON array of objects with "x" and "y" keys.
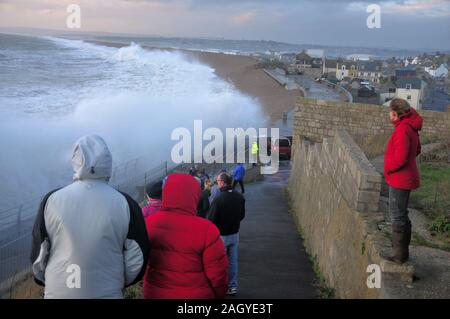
[{"x": 272, "y": 260}]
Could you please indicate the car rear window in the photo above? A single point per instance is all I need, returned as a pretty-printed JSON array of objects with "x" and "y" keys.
[{"x": 284, "y": 143}]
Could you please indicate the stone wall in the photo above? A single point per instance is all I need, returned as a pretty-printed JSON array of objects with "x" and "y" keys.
[
  {"x": 316, "y": 119},
  {"x": 334, "y": 192}
]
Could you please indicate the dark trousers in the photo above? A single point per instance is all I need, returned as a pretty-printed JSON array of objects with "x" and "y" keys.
[
  {"x": 241, "y": 182},
  {"x": 398, "y": 206}
]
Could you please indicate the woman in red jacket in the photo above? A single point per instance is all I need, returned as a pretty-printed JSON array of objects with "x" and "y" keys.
[
  {"x": 187, "y": 258},
  {"x": 401, "y": 173}
]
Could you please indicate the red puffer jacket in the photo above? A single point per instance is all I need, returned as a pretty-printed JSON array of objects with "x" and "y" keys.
[
  {"x": 187, "y": 257},
  {"x": 400, "y": 168}
]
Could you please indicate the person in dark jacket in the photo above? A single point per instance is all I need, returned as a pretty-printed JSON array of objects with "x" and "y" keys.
[
  {"x": 187, "y": 258},
  {"x": 401, "y": 173},
  {"x": 203, "y": 204},
  {"x": 226, "y": 212}
]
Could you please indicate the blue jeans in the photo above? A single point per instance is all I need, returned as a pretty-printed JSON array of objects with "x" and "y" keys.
[{"x": 231, "y": 243}]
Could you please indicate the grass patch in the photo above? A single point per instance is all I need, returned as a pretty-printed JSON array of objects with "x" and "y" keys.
[
  {"x": 420, "y": 241},
  {"x": 325, "y": 292},
  {"x": 134, "y": 292},
  {"x": 433, "y": 197}
]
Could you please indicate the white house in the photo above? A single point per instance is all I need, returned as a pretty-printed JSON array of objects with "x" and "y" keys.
[
  {"x": 437, "y": 72},
  {"x": 413, "y": 61},
  {"x": 346, "y": 69},
  {"x": 409, "y": 89}
]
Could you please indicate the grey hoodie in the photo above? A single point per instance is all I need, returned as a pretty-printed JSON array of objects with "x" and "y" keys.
[{"x": 89, "y": 240}]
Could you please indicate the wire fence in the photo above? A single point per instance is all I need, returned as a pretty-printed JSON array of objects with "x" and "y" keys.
[{"x": 16, "y": 223}]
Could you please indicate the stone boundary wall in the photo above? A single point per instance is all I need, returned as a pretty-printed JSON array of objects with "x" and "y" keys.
[
  {"x": 316, "y": 119},
  {"x": 334, "y": 194}
]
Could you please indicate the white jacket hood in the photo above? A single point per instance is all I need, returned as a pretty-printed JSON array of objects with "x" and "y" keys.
[{"x": 91, "y": 159}]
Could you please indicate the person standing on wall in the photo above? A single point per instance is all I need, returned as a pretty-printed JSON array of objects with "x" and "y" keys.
[{"x": 401, "y": 173}]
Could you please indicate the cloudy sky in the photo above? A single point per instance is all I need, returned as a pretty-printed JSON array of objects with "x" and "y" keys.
[{"x": 404, "y": 23}]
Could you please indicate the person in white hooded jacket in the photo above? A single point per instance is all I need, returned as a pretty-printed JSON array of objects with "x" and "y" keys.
[{"x": 89, "y": 240}]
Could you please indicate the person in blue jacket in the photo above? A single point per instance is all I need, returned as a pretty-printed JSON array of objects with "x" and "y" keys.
[{"x": 238, "y": 176}]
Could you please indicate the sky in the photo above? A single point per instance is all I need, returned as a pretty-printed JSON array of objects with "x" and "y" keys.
[{"x": 407, "y": 24}]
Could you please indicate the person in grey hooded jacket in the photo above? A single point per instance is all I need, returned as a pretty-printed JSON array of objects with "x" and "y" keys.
[{"x": 89, "y": 240}]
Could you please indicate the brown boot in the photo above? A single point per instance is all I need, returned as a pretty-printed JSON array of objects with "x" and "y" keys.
[{"x": 401, "y": 237}]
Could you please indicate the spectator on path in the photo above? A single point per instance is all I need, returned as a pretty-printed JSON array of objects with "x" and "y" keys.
[
  {"x": 226, "y": 212},
  {"x": 153, "y": 194},
  {"x": 215, "y": 189},
  {"x": 401, "y": 173},
  {"x": 203, "y": 176},
  {"x": 187, "y": 258},
  {"x": 238, "y": 177},
  {"x": 89, "y": 240},
  {"x": 203, "y": 204},
  {"x": 193, "y": 170},
  {"x": 254, "y": 151}
]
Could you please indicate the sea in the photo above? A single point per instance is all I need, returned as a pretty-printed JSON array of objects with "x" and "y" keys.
[{"x": 54, "y": 90}]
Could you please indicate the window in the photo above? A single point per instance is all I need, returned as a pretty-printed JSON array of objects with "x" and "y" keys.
[{"x": 408, "y": 97}]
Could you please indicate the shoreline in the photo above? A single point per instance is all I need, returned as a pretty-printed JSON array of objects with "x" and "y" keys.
[{"x": 243, "y": 73}]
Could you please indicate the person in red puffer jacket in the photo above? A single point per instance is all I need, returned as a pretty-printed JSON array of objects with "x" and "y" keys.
[
  {"x": 187, "y": 258},
  {"x": 401, "y": 173}
]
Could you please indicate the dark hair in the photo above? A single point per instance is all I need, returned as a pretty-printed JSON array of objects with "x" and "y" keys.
[
  {"x": 154, "y": 190},
  {"x": 399, "y": 106},
  {"x": 226, "y": 178}
]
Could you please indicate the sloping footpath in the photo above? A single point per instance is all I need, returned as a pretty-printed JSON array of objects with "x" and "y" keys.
[{"x": 273, "y": 262}]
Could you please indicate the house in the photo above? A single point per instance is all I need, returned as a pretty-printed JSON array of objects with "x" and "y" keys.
[
  {"x": 317, "y": 56},
  {"x": 329, "y": 67},
  {"x": 409, "y": 89},
  {"x": 369, "y": 70},
  {"x": 346, "y": 69},
  {"x": 437, "y": 72},
  {"x": 303, "y": 60},
  {"x": 411, "y": 61},
  {"x": 409, "y": 71},
  {"x": 288, "y": 58}
]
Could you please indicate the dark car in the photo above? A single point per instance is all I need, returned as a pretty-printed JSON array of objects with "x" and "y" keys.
[
  {"x": 283, "y": 145},
  {"x": 366, "y": 91}
]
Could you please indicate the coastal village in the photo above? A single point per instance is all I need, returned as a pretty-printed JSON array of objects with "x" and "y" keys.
[{"x": 422, "y": 80}]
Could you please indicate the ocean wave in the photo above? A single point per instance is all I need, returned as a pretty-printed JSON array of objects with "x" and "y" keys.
[{"x": 131, "y": 96}]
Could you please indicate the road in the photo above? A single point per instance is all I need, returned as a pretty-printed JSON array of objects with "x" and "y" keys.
[{"x": 316, "y": 90}]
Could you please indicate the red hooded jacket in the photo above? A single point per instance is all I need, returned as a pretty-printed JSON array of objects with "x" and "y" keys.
[
  {"x": 187, "y": 257},
  {"x": 400, "y": 168}
]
